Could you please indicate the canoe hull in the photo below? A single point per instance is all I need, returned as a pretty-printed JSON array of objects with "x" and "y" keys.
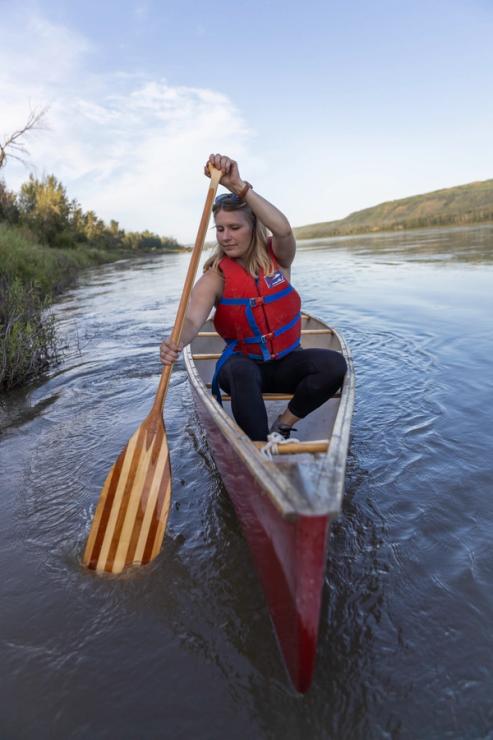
[
  {"x": 285, "y": 505},
  {"x": 289, "y": 555}
]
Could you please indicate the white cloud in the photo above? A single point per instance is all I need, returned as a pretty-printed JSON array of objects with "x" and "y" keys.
[
  {"x": 129, "y": 147},
  {"x": 132, "y": 147}
]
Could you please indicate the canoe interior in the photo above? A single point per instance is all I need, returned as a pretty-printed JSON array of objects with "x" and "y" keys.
[
  {"x": 313, "y": 482},
  {"x": 319, "y": 424}
]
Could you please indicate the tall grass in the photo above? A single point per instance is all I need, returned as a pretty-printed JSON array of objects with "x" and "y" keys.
[
  {"x": 30, "y": 276},
  {"x": 28, "y": 341}
]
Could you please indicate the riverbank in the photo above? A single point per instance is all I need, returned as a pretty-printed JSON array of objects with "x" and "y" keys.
[
  {"x": 463, "y": 205},
  {"x": 321, "y": 231},
  {"x": 31, "y": 276}
]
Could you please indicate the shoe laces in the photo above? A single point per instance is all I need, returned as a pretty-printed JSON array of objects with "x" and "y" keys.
[{"x": 284, "y": 430}]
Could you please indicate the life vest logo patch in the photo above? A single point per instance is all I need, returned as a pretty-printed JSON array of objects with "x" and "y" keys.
[{"x": 275, "y": 279}]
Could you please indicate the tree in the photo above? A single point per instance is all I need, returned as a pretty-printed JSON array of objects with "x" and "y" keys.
[
  {"x": 8, "y": 207},
  {"x": 45, "y": 207},
  {"x": 94, "y": 227},
  {"x": 12, "y": 146}
]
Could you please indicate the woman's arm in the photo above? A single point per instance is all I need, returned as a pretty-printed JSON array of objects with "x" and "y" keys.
[
  {"x": 206, "y": 292},
  {"x": 283, "y": 241}
]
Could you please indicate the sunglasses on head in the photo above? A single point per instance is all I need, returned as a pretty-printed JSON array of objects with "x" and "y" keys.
[{"x": 229, "y": 198}]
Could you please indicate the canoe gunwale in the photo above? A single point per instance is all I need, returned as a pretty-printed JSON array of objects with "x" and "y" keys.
[
  {"x": 334, "y": 466},
  {"x": 283, "y": 494}
]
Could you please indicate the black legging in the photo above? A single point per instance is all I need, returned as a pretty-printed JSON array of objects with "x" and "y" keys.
[{"x": 312, "y": 375}]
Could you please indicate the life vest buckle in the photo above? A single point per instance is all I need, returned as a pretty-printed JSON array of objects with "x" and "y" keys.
[
  {"x": 265, "y": 337},
  {"x": 257, "y": 301}
]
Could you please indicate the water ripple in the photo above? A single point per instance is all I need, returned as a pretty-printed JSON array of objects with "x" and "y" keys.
[{"x": 407, "y": 599}]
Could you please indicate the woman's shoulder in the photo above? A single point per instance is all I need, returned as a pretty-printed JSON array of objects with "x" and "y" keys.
[
  {"x": 212, "y": 281},
  {"x": 213, "y": 275}
]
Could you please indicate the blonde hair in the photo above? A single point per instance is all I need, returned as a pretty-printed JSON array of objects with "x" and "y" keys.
[{"x": 257, "y": 257}]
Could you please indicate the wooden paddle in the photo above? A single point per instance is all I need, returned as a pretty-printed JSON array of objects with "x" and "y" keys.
[{"x": 131, "y": 515}]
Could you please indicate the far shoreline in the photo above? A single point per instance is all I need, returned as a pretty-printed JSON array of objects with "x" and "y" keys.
[{"x": 392, "y": 232}]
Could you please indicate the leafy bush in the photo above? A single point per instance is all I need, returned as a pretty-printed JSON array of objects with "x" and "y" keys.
[
  {"x": 30, "y": 276},
  {"x": 28, "y": 341}
]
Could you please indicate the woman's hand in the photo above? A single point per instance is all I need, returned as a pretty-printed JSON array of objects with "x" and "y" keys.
[
  {"x": 231, "y": 176},
  {"x": 169, "y": 351}
]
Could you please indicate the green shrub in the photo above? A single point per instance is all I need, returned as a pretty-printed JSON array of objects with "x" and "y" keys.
[
  {"x": 28, "y": 338},
  {"x": 31, "y": 275}
]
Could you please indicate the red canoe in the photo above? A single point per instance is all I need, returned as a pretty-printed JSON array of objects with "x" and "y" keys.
[{"x": 285, "y": 504}]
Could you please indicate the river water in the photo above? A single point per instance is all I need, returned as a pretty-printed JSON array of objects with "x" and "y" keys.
[{"x": 184, "y": 648}]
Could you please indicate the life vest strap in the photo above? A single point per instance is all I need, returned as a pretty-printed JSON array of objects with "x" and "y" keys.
[
  {"x": 276, "y": 296},
  {"x": 256, "y": 300},
  {"x": 277, "y": 332},
  {"x": 228, "y": 352},
  {"x": 286, "y": 351}
]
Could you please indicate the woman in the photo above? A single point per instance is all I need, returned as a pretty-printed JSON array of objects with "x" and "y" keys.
[{"x": 257, "y": 313}]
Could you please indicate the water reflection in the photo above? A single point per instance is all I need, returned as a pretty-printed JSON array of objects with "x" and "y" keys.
[{"x": 468, "y": 245}]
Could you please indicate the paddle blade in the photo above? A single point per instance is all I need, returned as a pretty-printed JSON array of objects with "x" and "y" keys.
[{"x": 133, "y": 508}]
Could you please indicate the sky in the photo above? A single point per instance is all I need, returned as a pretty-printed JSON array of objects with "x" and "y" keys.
[{"x": 328, "y": 107}]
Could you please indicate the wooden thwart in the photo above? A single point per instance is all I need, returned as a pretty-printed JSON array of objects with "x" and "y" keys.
[
  {"x": 207, "y": 356},
  {"x": 270, "y": 396},
  {"x": 296, "y": 448},
  {"x": 303, "y": 331},
  {"x": 266, "y": 396}
]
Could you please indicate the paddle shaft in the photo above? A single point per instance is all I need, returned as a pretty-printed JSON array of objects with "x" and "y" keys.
[
  {"x": 216, "y": 175},
  {"x": 132, "y": 512}
]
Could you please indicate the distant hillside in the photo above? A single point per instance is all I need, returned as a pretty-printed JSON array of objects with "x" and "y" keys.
[{"x": 464, "y": 204}]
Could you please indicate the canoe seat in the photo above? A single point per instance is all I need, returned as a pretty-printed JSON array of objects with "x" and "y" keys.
[
  {"x": 296, "y": 448},
  {"x": 271, "y": 396},
  {"x": 312, "y": 332}
]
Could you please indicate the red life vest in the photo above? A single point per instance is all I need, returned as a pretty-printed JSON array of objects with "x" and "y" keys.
[
  {"x": 257, "y": 317},
  {"x": 262, "y": 315}
]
